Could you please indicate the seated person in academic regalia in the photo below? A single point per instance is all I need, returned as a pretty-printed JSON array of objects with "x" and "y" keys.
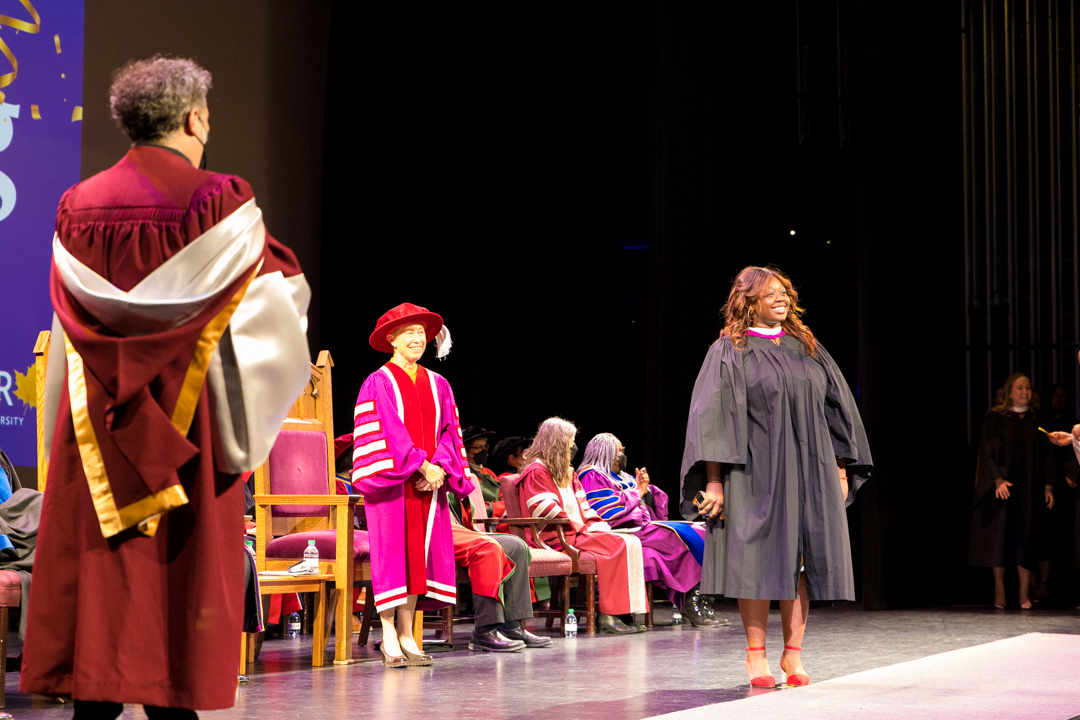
[
  {"x": 508, "y": 457},
  {"x": 672, "y": 550},
  {"x": 498, "y": 566},
  {"x": 551, "y": 489},
  {"x": 477, "y": 441}
]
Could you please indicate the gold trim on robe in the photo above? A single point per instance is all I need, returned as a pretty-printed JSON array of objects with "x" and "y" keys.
[
  {"x": 143, "y": 513},
  {"x": 188, "y": 401}
]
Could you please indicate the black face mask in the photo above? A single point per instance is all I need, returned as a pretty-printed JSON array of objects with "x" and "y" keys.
[
  {"x": 205, "y": 142},
  {"x": 621, "y": 459},
  {"x": 573, "y": 453},
  {"x": 481, "y": 457}
]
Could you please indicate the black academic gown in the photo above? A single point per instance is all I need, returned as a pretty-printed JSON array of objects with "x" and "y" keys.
[
  {"x": 1013, "y": 531},
  {"x": 778, "y": 419}
]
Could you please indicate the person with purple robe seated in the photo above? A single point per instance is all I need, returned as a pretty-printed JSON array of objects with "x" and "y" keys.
[
  {"x": 672, "y": 550},
  {"x": 407, "y": 454}
]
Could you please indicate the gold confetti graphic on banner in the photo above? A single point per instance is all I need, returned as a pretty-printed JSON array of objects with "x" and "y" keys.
[
  {"x": 34, "y": 112},
  {"x": 56, "y": 39},
  {"x": 8, "y": 78},
  {"x": 76, "y": 114}
]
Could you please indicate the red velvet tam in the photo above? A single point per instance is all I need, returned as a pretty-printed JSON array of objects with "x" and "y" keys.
[
  {"x": 341, "y": 444},
  {"x": 404, "y": 314}
]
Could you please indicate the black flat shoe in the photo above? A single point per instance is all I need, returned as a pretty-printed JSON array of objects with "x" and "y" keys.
[
  {"x": 492, "y": 641},
  {"x": 521, "y": 634},
  {"x": 611, "y": 624}
]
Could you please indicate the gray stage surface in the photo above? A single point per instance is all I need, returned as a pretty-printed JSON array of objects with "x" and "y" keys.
[{"x": 602, "y": 677}]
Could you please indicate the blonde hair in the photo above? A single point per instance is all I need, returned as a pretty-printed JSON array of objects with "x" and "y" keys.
[
  {"x": 551, "y": 446},
  {"x": 749, "y": 285}
]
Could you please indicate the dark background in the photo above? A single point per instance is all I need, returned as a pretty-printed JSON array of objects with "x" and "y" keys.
[{"x": 573, "y": 186}]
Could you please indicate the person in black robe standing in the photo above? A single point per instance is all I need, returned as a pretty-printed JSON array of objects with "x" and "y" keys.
[
  {"x": 775, "y": 448},
  {"x": 1013, "y": 489}
]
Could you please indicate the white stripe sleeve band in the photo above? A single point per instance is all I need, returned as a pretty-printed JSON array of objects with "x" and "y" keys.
[
  {"x": 372, "y": 469},
  {"x": 364, "y": 450}
]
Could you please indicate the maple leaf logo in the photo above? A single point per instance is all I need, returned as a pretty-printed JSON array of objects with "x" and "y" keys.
[{"x": 26, "y": 386}]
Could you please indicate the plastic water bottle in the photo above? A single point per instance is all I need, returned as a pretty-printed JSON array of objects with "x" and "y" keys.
[
  {"x": 311, "y": 557},
  {"x": 294, "y": 625},
  {"x": 571, "y": 624}
]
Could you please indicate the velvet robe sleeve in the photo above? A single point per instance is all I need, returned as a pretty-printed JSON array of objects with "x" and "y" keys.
[
  {"x": 845, "y": 424},
  {"x": 383, "y": 452},
  {"x": 607, "y": 498},
  {"x": 659, "y": 511},
  {"x": 450, "y": 453},
  {"x": 716, "y": 426},
  {"x": 991, "y": 464},
  {"x": 538, "y": 492},
  {"x": 593, "y": 521}
]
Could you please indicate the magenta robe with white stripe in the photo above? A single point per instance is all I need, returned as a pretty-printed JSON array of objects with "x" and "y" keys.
[{"x": 384, "y": 459}]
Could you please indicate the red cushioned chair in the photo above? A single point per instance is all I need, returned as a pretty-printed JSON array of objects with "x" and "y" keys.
[
  {"x": 10, "y": 596},
  {"x": 296, "y": 501},
  {"x": 552, "y": 563}
]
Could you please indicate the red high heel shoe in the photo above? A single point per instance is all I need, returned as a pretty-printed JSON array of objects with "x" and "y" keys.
[
  {"x": 795, "y": 679},
  {"x": 764, "y": 681}
]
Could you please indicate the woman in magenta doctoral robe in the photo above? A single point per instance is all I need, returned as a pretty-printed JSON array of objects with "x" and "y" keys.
[{"x": 407, "y": 454}]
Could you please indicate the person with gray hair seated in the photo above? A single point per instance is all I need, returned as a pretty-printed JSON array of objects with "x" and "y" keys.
[
  {"x": 672, "y": 550},
  {"x": 178, "y": 348}
]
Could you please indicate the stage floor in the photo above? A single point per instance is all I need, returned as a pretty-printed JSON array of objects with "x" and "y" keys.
[{"x": 603, "y": 677}]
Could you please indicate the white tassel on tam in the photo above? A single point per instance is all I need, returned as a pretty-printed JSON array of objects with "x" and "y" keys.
[{"x": 443, "y": 343}]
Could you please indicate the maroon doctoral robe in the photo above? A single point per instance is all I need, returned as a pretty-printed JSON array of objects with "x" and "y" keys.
[{"x": 136, "y": 618}]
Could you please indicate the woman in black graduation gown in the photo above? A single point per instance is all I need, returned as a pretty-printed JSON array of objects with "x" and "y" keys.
[
  {"x": 1013, "y": 484},
  {"x": 775, "y": 441}
]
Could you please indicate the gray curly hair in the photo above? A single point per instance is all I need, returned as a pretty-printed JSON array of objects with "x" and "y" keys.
[
  {"x": 600, "y": 453},
  {"x": 149, "y": 98}
]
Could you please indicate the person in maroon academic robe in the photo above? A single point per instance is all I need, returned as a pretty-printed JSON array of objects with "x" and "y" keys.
[{"x": 178, "y": 348}]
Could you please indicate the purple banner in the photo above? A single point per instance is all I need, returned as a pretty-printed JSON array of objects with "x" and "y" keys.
[{"x": 41, "y": 58}]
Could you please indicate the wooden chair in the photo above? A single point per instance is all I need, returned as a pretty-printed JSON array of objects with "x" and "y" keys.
[
  {"x": 280, "y": 585},
  {"x": 547, "y": 562},
  {"x": 444, "y": 624},
  {"x": 551, "y": 563},
  {"x": 296, "y": 501},
  {"x": 41, "y": 366}
]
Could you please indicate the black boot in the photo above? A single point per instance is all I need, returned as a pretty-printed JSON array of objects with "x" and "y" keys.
[{"x": 698, "y": 610}]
